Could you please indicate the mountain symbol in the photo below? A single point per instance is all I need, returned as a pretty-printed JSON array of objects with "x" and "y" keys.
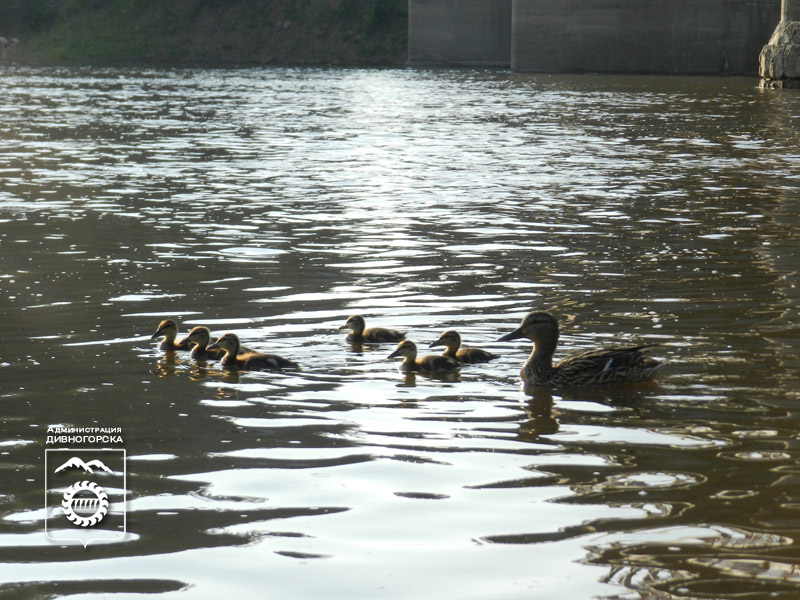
[{"x": 77, "y": 462}]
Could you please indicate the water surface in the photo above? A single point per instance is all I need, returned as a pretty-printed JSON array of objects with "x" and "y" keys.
[{"x": 275, "y": 203}]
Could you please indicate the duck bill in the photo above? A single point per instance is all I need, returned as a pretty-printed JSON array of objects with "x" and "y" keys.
[
  {"x": 394, "y": 354},
  {"x": 185, "y": 341},
  {"x": 156, "y": 335},
  {"x": 434, "y": 344},
  {"x": 514, "y": 335},
  {"x": 213, "y": 346}
]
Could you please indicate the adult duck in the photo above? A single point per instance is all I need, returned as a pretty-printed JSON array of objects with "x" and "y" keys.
[
  {"x": 451, "y": 341},
  {"x": 431, "y": 363},
  {"x": 593, "y": 367},
  {"x": 359, "y": 333},
  {"x": 248, "y": 361}
]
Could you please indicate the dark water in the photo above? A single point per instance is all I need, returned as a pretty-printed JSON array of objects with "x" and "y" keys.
[{"x": 275, "y": 203}]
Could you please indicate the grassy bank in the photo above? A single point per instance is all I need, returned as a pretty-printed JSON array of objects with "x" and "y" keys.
[{"x": 215, "y": 32}]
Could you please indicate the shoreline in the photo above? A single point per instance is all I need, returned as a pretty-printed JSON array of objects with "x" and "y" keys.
[{"x": 196, "y": 33}]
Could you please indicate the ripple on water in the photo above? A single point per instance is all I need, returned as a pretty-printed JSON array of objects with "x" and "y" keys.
[
  {"x": 276, "y": 202},
  {"x": 686, "y": 548}
]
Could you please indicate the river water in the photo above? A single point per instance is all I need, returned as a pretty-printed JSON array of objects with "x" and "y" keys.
[{"x": 275, "y": 203}]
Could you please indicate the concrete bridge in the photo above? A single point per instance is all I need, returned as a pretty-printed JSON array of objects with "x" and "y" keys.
[{"x": 603, "y": 36}]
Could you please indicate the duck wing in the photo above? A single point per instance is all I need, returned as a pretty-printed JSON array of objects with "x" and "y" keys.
[
  {"x": 436, "y": 362},
  {"x": 473, "y": 355},
  {"x": 257, "y": 361},
  {"x": 617, "y": 365},
  {"x": 378, "y": 335}
]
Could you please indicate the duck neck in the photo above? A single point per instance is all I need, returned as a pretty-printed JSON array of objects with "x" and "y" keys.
[
  {"x": 356, "y": 334},
  {"x": 539, "y": 365},
  {"x": 230, "y": 355},
  {"x": 450, "y": 351},
  {"x": 409, "y": 362}
]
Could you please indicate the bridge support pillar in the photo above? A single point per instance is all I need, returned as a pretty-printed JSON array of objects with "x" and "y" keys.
[{"x": 779, "y": 62}]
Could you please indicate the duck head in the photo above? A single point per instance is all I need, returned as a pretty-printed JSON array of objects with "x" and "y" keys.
[
  {"x": 449, "y": 339},
  {"x": 228, "y": 342},
  {"x": 355, "y": 324},
  {"x": 407, "y": 349},
  {"x": 200, "y": 336},
  {"x": 535, "y": 326},
  {"x": 167, "y": 328}
]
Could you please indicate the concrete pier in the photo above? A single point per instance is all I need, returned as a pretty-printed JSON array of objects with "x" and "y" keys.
[
  {"x": 602, "y": 36},
  {"x": 640, "y": 36},
  {"x": 779, "y": 63}
]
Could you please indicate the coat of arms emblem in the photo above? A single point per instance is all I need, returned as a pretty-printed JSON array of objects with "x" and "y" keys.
[{"x": 85, "y": 495}]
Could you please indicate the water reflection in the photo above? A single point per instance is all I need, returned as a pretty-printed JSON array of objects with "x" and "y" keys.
[{"x": 276, "y": 203}]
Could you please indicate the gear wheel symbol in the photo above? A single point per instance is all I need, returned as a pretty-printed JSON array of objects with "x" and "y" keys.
[{"x": 99, "y": 503}]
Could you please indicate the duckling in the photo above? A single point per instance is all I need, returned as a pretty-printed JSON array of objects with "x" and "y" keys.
[
  {"x": 451, "y": 341},
  {"x": 593, "y": 367},
  {"x": 434, "y": 362},
  {"x": 199, "y": 338},
  {"x": 373, "y": 335},
  {"x": 248, "y": 361},
  {"x": 169, "y": 330}
]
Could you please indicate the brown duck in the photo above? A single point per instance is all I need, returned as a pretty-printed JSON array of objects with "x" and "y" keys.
[
  {"x": 451, "y": 340},
  {"x": 168, "y": 329},
  {"x": 359, "y": 333},
  {"x": 248, "y": 361},
  {"x": 431, "y": 363},
  {"x": 200, "y": 338},
  {"x": 593, "y": 367}
]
